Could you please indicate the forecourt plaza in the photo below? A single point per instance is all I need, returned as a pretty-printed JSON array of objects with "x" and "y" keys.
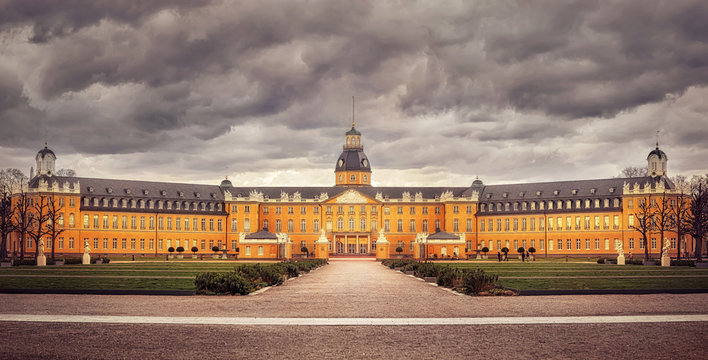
[{"x": 354, "y": 309}]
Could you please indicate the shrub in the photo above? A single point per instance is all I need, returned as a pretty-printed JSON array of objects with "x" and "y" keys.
[
  {"x": 532, "y": 250},
  {"x": 73, "y": 261},
  {"x": 171, "y": 249},
  {"x": 180, "y": 249},
  {"x": 195, "y": 249},
  {"x": 262, "y": 275},
  {"x": 427, "y": 270},
  {"x": 215, "y": 248},
  {"x": 447, "y": 276},
  {"x": 399, "y": 249},
  {"x": 485, "y": 249},
  {"x": 520, "y": 250},
  {"x": 211, "y": 283},
  {"x": 106, "y": 260},
  {"x": 505, "y": 250},
  {"x": 477, "y": 281},
  {"x": 304, "y": 250},
  {"x": 683, "y": 262}
]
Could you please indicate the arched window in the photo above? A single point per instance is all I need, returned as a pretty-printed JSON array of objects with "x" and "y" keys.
[
  {"x": 351, "y": 224},
  {"x": 340, "y": 224},
  {"x": 362, "y": 224},
  {"x": 352, "y": 177},
  {"x": 277, "y": 225},
  {"x": 366, "y": 178},
  {"x": 265, "y": 224},
  {"x": 316, "y": 225}
]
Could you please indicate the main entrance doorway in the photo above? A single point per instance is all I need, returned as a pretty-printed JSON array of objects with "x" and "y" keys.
[{"x": 352, "y": 244}]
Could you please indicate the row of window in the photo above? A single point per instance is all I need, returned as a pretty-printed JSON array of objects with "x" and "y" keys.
[
  {"x": 136, "y": 244},
  {"x": 568, "y": 244},
  {"x": 151, "y": 204},
  {"x": 145, "y": 223},
  {"x": 550, "y": 204},
  {"x": 553, "y": 223}
]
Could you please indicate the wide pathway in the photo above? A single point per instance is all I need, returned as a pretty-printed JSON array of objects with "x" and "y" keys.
[{"x": 354, "y": 309}]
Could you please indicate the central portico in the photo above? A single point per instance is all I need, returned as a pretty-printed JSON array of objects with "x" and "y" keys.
[{"x": 351, "y": 218}]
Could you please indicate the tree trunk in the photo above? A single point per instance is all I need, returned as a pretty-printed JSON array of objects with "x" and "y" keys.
[
  {"x": 646, "y": 248},
  {"x": 53, "y": 248}
]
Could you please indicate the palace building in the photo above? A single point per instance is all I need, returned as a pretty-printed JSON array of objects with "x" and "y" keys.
[{"x": 585, "y": 217}]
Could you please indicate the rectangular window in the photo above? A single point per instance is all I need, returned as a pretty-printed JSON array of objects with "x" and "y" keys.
[
  {"x": 411, "y": 210},
  {"x": 560, "y": 244},
  {"x": 105, "y": 243},
  {"x": 587, "y": 223},
  {"x": 133, "y": 222},
  {"x": 523, "y": 224},
  {"x": 597, "y": 244},
  {"x": 115, "y": 243},
  {"x": 71, "y": 243},
  {"x": 577, "y": 244},
  {"x": 411, "y": 226},
  {"x": 95, "y": 221},
  {"x": 142, "y": 244},
  {"x": 123, "y": 243},
  {"x": 152, "y": 244},
  {"x": 541, "y": 244},
  {"x": 248, "y": 251},
  {"x": 105, "y": 221},
  {"x": 532, "y": 225},
  {"x": 195, "y": 225},
  {"x": 456, "y": 225},
  {"x": 587, "y": 244},
  {"x": 169, "y": 223},
  {"x": 303, "y": 225},
  {"x": 597, "y": 222},
  {"x": 142, "y": 223},
  {"x": 607, "y": 244},
  {"x": 160, "y": 223},
  {"x": 481, "y": 226},
  {"x": 132, "y": 244},
  {"x": 95, "y": 243},
  {"x": 260, "y": 251},
  {"x": 653, "y": 243},
  {"x": 400, "y": 225},
  {"x": 425, "y": 210},
  {"x": 247, "y": 209},
  {"x": 246, "y": 225},
  {"x": 631, "y": 243},
  {"x": 152, "y": 223},
  {"x": 606, "y": 222}
]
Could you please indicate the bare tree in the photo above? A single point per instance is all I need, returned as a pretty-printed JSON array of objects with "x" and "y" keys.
[
  {"x": 66, "y": 172},
  {"x": 633, "y": 172},
  {"x": 22, "y": 218},
  {"x": 662, "y": 219},
  {"x": 643, "y": 223},
  {"x": 680, "y": 212},
  {"x": 55, "y": 221},
  {"x": 38, "y": 225},
  {"x": 698, "y": 217},
  {"x": 7, "y": 225}
]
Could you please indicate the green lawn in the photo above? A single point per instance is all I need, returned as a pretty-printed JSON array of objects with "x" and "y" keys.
[
  {"x": 91, "y": 281},
  {"x": 545, "y": 275}
]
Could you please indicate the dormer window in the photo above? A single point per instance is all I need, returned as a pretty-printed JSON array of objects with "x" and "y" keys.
[
  {"x": 521, "y": 194},
  {"x": 574, "y": 191},
  {"x": 505, "y": 195},
  {"x": 538, "y": 193},
  {"x": 109, "y": 190},
  {"x": 196, "y": 194},
  {"x": 127, "y": 191},
  {"x": 556, "y": 192},
  {"x": 145, "y": 191},
  {"x": 163, "y": 192},
  {"x": 180, "y": 193},
  {"x": 489, "y": 196},
  {"x": 90, "y": 189},
  {"x": 612, "y": 190},
  {"x": 593, "y": 190},
  {"x": 213, "y": 196}
]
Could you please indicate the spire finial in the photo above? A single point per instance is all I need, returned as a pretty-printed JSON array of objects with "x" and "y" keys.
[
  {"x": 657, "y": 139},
  {"x": 46, "y": 144},
  {"x": 353, "y": 123}
]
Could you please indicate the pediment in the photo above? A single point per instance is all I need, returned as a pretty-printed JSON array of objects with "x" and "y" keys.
[{"x": 352, "y": 196}]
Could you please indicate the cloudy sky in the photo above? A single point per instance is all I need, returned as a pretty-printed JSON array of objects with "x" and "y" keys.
[{"x": 510, "y": 91}]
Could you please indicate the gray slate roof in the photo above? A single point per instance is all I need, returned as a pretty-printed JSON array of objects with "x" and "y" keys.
[
  {"x": 353, "y": 161},
  {"x": 262, "y": 234}
]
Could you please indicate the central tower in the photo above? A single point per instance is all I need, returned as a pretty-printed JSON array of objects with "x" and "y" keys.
[{"x": 353, "y": 168}]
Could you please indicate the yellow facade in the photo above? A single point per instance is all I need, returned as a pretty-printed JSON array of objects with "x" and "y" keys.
[{"x": 588, "y": 217}]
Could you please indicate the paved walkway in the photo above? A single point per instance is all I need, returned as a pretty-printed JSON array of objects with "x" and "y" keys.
[{"x": 354, "y": 309}]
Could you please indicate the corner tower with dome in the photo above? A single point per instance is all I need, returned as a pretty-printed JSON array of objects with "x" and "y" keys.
[{"x": 353, "y": 167}]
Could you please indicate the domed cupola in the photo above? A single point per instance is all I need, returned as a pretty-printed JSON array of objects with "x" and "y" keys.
[
  {"x": 226, "y": 183},
  {"x": 353, "y": 168},
  {"x": 45, "y": 161},
  {"x": 656, "y": 160}
]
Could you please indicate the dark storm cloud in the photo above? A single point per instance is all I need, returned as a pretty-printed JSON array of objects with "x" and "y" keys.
[
  {"x": 50, "y": 18},
  {"x": 107, "y": 77}
]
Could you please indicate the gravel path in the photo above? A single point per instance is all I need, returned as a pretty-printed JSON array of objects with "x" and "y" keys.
[{"x": 354, "y": 289}]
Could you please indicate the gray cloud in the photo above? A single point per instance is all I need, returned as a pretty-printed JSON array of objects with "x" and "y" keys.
[{"x": 467, "y": 79}]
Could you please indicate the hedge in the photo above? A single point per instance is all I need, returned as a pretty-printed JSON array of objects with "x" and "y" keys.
[
  {"x": 467, "y": 281},
  {"x": 250, "y": 277}
]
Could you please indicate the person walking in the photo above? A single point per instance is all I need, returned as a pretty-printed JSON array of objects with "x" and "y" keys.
[
  {"x": 499, "y": 256},
  {"x": 506, "y": 256},
  {"x": 523, "y": 256}
]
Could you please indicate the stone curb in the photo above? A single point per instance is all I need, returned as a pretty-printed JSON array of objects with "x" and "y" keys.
[
  {"x": 99, "y": 292},
  {"x": 611, "y": 292}
]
